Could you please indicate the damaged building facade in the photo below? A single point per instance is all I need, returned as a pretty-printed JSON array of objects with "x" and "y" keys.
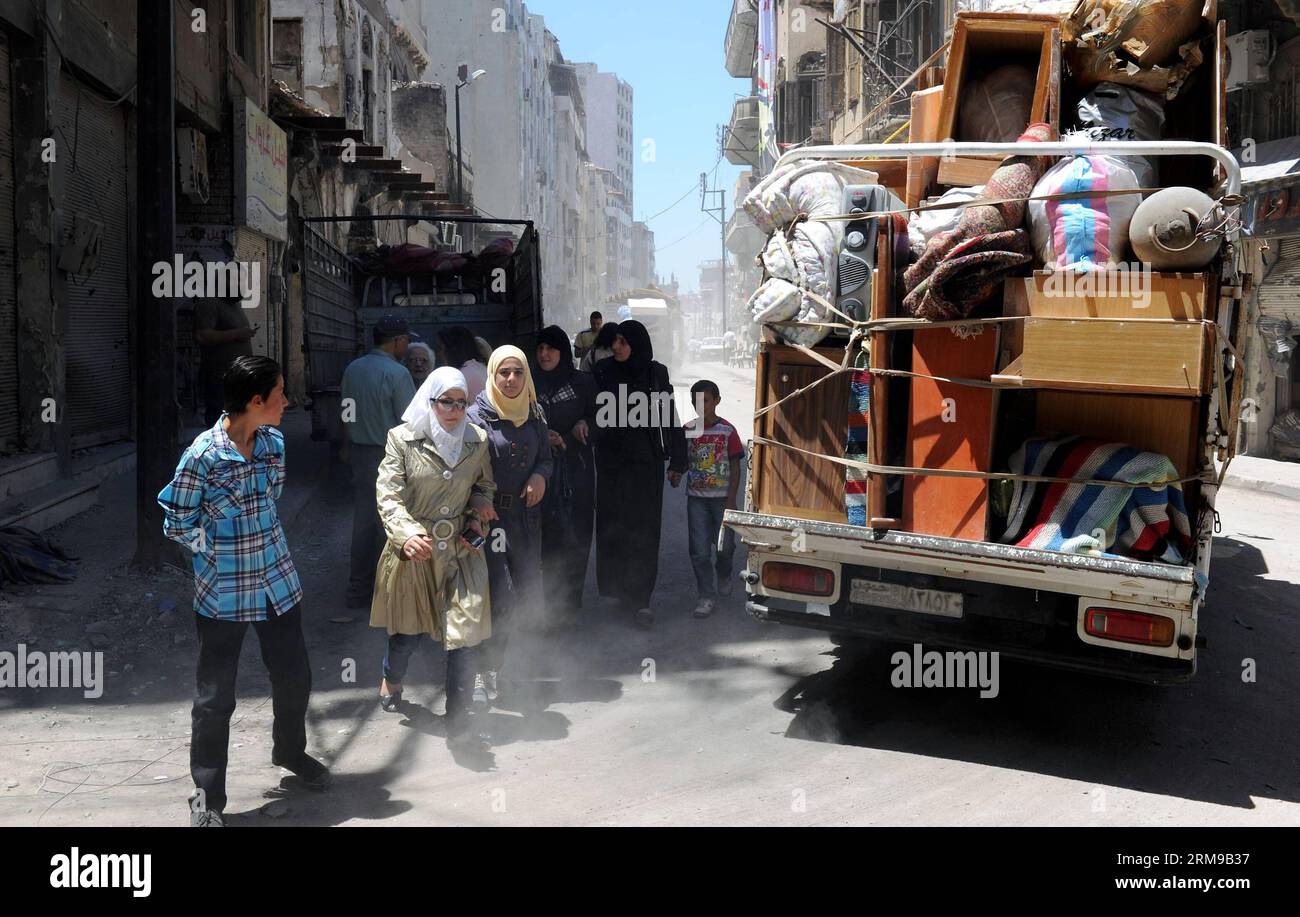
[
  {"x": 1263, "y": 80},
  {"x": 69, "y": 293},
  {"x": 283, "y": 110}
]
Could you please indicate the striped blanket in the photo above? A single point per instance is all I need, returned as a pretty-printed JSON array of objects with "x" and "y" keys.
[
  {"x": 1147, "y": 523},
  {"x": 855, "y": 483}
]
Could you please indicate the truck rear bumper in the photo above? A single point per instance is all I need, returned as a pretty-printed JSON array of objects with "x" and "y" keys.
[{"x": 1025, "y": 604}]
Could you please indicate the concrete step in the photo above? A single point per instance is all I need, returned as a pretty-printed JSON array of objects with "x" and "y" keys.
[
  {"x": 28, "y": 471},
  {"x": 55, "y": 501},
  {"x": 51, "y": 504}
]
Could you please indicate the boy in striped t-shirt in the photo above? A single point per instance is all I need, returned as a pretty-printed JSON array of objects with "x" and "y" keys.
[{"x": 714, "y": 454}]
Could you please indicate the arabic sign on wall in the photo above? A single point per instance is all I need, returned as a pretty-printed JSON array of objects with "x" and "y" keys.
[{"x": 261, "y": 172}]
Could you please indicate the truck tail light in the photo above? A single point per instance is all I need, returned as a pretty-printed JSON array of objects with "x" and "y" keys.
[
  {"x": 799, "y": 578},
  {"x": 1129, "y": 626}
]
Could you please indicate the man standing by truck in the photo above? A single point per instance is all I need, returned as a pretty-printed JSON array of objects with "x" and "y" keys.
[
  {"x": 376, "y": 389},
  {"x": 586, "y": 339}
]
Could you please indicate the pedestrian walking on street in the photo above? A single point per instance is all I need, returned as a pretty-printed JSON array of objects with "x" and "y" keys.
[
  {"x": 587, "y": 338},
  {"x": 222, "y": 331},
  {"x": 376, "y": 389},
  {"x": 630, "y": 456},
  {"x": 435, "y": 484},
  {"x": 715, "y": 453},
  {"x": 519, "y": 444},
  {"x": 459, "y": 349},
  {"x": 568, "y": 397},
  {"x": 419, "y": 361},
  {"x": 221, "y": 504},
  {"x": 602, "y": 347}
]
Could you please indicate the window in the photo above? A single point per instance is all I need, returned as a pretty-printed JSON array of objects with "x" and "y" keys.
[
  {"x": 854, "y": 63},
  {"x": 835, "y": 46},
  {"x": 366, "y": 82},
  {"x": 286, "y": 52},
  {"x": 243, "y": 27},
  {"x": 810, "y": 106}
]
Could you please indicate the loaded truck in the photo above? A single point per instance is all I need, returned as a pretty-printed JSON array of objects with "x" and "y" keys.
[
  {"x": 929, "y": 557},
  {"x": 495, "y": 293}
]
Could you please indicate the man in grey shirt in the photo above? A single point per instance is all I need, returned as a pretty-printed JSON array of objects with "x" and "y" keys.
[
  {"x": 376, "y": 389},
  {"x": 222, "y": 332}
]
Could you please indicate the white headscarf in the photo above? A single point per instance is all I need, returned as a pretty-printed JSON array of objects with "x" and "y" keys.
[{"x": 419, "y": 414}]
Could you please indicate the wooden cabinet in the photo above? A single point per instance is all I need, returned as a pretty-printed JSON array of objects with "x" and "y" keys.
[
  {"x": 789, "y": 483},
  {"x": 952, "y": 428},
  {"x": 981, "y": 42}
]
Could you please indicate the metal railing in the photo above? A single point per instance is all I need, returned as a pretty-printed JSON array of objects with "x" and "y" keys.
[{"x": 1225, "y": 159}]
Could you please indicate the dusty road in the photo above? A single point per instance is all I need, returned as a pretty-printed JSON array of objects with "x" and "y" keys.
[{"x": 723, "y": 721}]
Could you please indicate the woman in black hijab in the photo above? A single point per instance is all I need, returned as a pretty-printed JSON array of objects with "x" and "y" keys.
[
  {"x": 568, "y": 397},
  {"x": 631, "y": 447}
]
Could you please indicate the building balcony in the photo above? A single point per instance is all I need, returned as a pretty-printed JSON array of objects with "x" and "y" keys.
[
  {"x": 742, "y": 38},
  {"x": 742, "y": 133},
  {"x": 744, "y": 239}
]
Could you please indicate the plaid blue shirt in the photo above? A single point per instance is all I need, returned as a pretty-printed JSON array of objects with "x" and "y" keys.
[{"x": 222, "y": 507}]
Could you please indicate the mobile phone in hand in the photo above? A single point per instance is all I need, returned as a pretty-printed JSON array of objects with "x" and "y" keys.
[{"x": 473, "y": 538}]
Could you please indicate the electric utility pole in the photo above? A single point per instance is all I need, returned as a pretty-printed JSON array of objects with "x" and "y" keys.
[{"x": 719, "y": 213}]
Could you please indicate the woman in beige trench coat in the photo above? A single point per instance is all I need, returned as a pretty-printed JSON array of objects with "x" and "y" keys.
[{"x": 435, "y": 481}]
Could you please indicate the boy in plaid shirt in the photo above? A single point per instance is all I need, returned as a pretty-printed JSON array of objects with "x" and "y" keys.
[{"x": 221, "y": 505}]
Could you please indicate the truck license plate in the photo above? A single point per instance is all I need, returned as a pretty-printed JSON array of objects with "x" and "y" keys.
[{"x": 905, "y": 598}]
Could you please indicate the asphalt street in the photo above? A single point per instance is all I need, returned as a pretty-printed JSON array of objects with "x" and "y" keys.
[{"x": 702, "y": 722}]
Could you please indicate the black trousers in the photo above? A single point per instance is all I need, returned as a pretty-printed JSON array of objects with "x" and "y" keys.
[
  {"x": 514, "y": 577},
  {"x": 629, "y": 515},
  {"x": 367, "y": 530},
  {"x": 284, "y": 653},
  {"x": 567, "y": 526}
]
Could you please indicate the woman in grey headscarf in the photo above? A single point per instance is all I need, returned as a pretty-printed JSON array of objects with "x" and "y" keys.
[
  {"x": 434, "y": 483},
  {"x": 420, "y": 361}
]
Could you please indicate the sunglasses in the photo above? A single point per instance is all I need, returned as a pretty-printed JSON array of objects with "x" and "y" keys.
[{"x": 459, "y": 404}]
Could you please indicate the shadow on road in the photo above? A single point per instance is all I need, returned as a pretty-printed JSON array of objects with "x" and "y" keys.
[{"x": 1218, "y": 738}]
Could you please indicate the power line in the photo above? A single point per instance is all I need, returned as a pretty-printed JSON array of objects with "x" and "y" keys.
[
  {"x": 685, "y": 237},
  {"x": 689, "y": 191}
]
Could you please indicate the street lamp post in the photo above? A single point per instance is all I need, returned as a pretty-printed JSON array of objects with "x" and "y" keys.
[{"x": 463, "y": 79}]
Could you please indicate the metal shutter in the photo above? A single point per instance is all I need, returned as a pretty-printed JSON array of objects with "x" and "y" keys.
[
  {"x": 1279, "y": 295},
  {"x": 8, "y": 241},
  {"x": 91, "y": 144}
]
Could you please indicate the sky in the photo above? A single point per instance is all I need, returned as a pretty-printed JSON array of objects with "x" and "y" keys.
[{"x": 671, "y": 53}]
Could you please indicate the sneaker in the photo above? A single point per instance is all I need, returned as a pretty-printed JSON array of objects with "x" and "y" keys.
[
  {"x": 206, "y": 818},
  {"x": 644, "y": 617},
  {"x": 725, "y": 585},
  {"x": 480, "y": 696},
  {"x": 307, "y": 769},
  {"x": 492, "y": 686},
  {"x": 704, "y": 608}
]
